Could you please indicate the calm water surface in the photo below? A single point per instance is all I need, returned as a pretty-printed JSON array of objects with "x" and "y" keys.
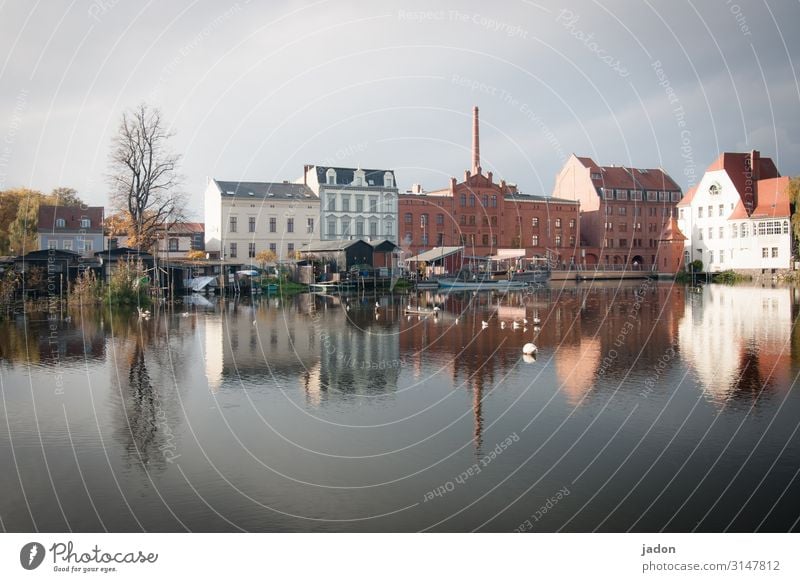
[{"x": 649, "y": 407}]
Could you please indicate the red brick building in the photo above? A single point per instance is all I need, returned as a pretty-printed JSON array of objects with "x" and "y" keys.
[
  {"x": 484, "y": 216},
  {"x": 626, "y": 213}
]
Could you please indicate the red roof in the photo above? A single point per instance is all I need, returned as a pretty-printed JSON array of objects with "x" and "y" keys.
[
  {"x": 773, "y": 198},
  {"x": 186, "y": 228},
  {"x": 671, "y": 232},
  {"x": 72, "y": 216},
  {"x": 620, "y": 177}
]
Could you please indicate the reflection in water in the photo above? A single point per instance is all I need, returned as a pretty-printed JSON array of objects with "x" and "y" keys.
[
  {"x": 738, "y": 341},
  {"x": 332, "y": 409}
]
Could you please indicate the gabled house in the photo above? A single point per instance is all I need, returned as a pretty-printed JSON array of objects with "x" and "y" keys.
[
  {"x": 71, "y": 228},
  {"x": 623, "y": 210},
  {"x": 738, "y": 217}
]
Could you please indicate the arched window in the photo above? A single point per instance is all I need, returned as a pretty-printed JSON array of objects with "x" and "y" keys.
[
  {"x": 330, "y": 176},
  {"x": 388, "y": 180}
]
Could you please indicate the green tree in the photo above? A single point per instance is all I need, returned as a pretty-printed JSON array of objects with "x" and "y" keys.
[
  {"x": 794, "y": 200},
  {"x": 23, "y": 232}
]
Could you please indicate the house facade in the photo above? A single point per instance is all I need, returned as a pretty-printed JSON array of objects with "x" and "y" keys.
[
  {"x": 485, "y": 216},
  {"x": 244, "y": 218},
  {"x": 176, "y": 241},
  {"x": 354, "y": 203},
  {"x": 738, "y": 217},
  {"x": 623, "y": 210},
  {"x": 71, "y": 228}
]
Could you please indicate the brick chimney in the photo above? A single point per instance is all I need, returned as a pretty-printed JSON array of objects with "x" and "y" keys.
[{"x": 476, "y": 146}]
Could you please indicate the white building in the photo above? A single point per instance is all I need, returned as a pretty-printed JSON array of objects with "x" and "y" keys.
[
  {"x": 738, "y": 216},
  {"x": 354, "y": 203},
  {"x": 244, "y": 218}
]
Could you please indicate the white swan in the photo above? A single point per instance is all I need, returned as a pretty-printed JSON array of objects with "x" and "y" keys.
[{"x": 529, "y": 349}]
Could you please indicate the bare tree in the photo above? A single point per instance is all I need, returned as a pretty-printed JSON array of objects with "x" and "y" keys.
[{"x": 143, "y": 176}]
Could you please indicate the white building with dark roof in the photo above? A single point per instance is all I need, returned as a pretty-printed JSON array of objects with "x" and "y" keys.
[
  {"x": 354, "y": 203},
  {"x": 244, "y": 218}
]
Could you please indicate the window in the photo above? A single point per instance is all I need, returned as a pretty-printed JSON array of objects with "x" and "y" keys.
[
  {"x": 710, "y": 211},
  {"x": 710, "y": 257},
  {"x": 699, "y": 212},
  {"x": 535, "y": 222},
  {"x": 424, "y": 238},
  {"x": 251, "y": 250},
  {"x": 485, "y": 200},
  {"x": 494, "y": 241},
  {"x": 232, "y": 224},
  {"x": 681, "y": 213},
  {"x": 472, "y": 220},
  {"x": 744, "y": 230},
  {"x": 572, "y": 223},
  {"x": 440, "y": 219},
  {"x": 710, "y": 233},
  {"x": 472, "y": 200},
  {"x": 408, "y": 218},
  {"x": 67, "y": 245},
  {"x": 290, "y": 249},
  {"x": 558, "y": 240},
  {"x": 463, "y": 200},
  {"x": 172, "y": 245},
  {"x": 721, "y": 211},
  {"x": 462, "y": 220},
  {"x": 359, "y": 228},
  {"x": 663, "y": 196},
  {"x": 485, "y": 221},
  {"x": 52, "y": 244},
  {"x": 734, "y": 231},
  {"x": 676, "y": 196},
  {"x": 373, "y": 204},
  {"x": 622, "y": 227},
  {"x": 596, "y": 176},
  {"x": 345, "y": 203},
  {"x": 609, "y": 210},
  {"x": 535, "y": 240},
  {"x": 572, "y": 241},
  {"x": 359, "y": 204},
  {"x": 700, "y": 233},
  {"x": 423, "y": 219},
  {"x": 622, "y": 194},
  {"x": 722, "y": 256},
  {"x": 373, "y": 228},
  {"x": 233, "y": 250},
  {"x": 764, "y": 253},
  {"x": 290, "y": 225},
  {"x": 494, "y": 201},
  {"x": 86, "y": 223},
  {"x": 623, "y": 211},
  {"x": 608, "y": 194},
  {"x": 388, "y": 228},
  {"x": 558, "y": 223},
  {"x": 636, "y": 195},
  {"x": 785, "y": 227},
  {"x": 330, "y": 176},
  {"x": 774, "y": 252},
  {"x": 332, "y": 227},
  {"x": 652, "y": 195},
  {"x": 485, "y": 240},
  {"x": 309, "y": 225},
  {"x": 345, "y": 226},
  {"x": 609, "y": 226},
  {"x": 273, "y": 224},
  {"x": 251, "y": 224},
  {"x": 273, "y": 247},
  {"x": 60, "y": 223},
  {"x": 623, "y": 242},
  {"x": 721, "y": 232},
  {"x": 493, "y": 220},
  {"x": 332, "y": 203}
]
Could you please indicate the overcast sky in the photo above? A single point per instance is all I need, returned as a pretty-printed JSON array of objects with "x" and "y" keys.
[{"x": 255, "y": 91}]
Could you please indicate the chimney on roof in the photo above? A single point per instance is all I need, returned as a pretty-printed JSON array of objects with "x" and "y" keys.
[{"x": 476, "y": 146}]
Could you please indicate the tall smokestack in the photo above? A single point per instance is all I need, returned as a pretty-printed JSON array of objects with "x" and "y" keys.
[{"x": 476, "y": 147}]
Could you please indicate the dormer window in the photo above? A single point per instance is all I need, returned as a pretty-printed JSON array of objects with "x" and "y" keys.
[
  {"x": 359, "y": 177},
  {"x": 330, "y": 176},
  {"x": 86, "y": 223},
  {"x": 388, "y": 180},
  {"x": 60, "y": 223}
]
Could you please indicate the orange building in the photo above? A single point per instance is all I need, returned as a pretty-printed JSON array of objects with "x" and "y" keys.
[
  {"x": 626, "y": 213},
  {"x": 485, "y": 216}
]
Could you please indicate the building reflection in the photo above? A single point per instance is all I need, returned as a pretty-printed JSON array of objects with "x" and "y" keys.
[
  {"x": 738, "y": 340},
  {"x": 325, "y": 344}
]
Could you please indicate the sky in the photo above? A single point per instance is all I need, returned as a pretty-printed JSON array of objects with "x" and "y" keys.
[{"x": 254, "y": 90}]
